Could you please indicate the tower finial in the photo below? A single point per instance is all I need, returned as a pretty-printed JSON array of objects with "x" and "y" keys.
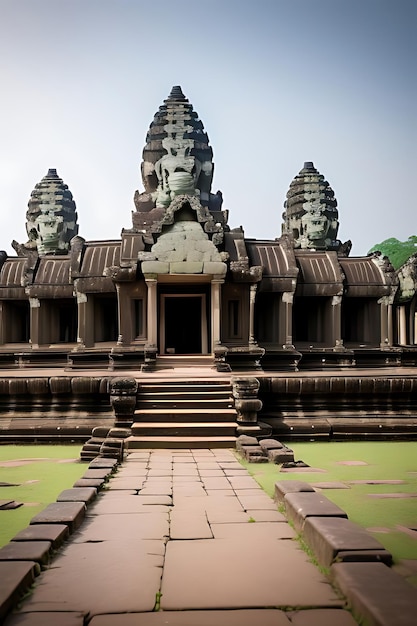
[{"x": 176, "y": 94}]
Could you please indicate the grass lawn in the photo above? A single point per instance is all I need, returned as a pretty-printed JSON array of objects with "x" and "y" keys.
[
  {"x": 40, "y": 473},
  {"x": 391, "y": 520}
]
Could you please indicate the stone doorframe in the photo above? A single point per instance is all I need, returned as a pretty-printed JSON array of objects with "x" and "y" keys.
[
  {"x": 215, "y": 313},
  {"x": 203, "y": 321}
]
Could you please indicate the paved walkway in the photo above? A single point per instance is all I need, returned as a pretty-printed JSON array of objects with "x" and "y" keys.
[{"x": 182, "y": 537}]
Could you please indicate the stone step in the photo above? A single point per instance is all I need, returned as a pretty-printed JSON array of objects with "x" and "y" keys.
[
  {"x": 180, "y": 442},
  {"x": 184, "y": 392},
  {"x": 185, "y": 415},
  {"x": 181, "y": 429},
  {"x": 191, "y": 387},
  {"x": 183, "y": 403}
]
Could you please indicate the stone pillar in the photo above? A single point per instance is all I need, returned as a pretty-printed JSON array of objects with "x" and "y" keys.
[
  {"x": 3, "y": 337},
  {"x": 216, "y": 284},
  {"x": 386, "y": 331},
  {"x": 285, "y": 320},
  {"x": 35, "y": 305},
  {"x": 336, "y": 322},
  {"x": 152, "y": 312},
  {"x": 252, "y": 298},
  {"x": 85, "y": 334},
  {"x": 402, "y": 326}
]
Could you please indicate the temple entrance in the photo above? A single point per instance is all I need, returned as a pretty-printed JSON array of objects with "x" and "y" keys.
[{"x": 183, "y": 324}]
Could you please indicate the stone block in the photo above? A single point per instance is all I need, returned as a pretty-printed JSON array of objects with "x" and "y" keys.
[
  {"x": 102, "y": 473},
  {"x": 290, "y": 486},
  {"x": 282, "y": 455},
  {"x": 89, "y": 482},
  {"x": 214, "y": 267},
  {"x": 16, "y": 577},
  {"x": 270, "y": 444},
  {"x": 101, "y": 463},
  {"x": 155, "y": 267},
  {"x": 69, "y": 513},
  {"x": 183, "y": 267},
  {"x": 335, "y": 538},
  {"x": 78, "y": 494},
  {"x": 55, "y": 533},
  {"x": 376, "y": 594},
  {"x": 37, "y": 551},
  {"x": 301, "y": 505}
]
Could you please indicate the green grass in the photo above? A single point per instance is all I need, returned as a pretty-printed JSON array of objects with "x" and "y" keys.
[
  {"x": 385, "y": 461},
  {"x": 45, "y": 471}
]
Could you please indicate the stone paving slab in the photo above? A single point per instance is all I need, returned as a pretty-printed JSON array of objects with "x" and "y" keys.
[
  {"x": 92, "y": 578},
  {"x": 321, "y": 617},
  {"x": 248, "y": 617},
  {"x": 69, "y": 513},
  {"x": 266, "y": 515},
  {"x": 261, "y": 501},
  {"x": 128, "y": 483},
  {"x": 16, "y": 577},
  {"x": 188, "y": 525},
  {"x": 102, "y": 528},
  {"x": 277, "y": 567},
  {"x": 216, "y": 483},
  {"x": 253, "y": 531},
  {"x": 376, "y": 593},
  {"x": 46, "y": 619},
  {"x": 26, "y": 551},
  {"x": 55, "y": 533},
  {"x": 123, "y": 504}
]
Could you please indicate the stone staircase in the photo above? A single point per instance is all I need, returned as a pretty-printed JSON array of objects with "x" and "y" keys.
[{"x": 184, "y": 414}]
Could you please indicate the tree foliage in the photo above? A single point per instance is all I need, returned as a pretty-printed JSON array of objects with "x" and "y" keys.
[{"x": 397, "y": 251}]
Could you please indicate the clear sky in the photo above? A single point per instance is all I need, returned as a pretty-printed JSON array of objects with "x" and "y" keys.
[{"x": 275, "y": 83}]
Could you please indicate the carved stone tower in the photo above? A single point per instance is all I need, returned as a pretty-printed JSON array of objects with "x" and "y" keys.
[
  {"x": 310, "y": 212},
  {"x": 51, "y": 218}
]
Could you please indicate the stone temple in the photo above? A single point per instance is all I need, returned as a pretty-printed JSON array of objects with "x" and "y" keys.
[{"x": 181, "y": 287}]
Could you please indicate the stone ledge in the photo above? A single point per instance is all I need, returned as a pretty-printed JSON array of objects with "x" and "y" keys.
[
  {"x": 38, "y": 551},
  {"x": 299, "y": 506},
  {"x": 290, "y": 486},
  {"x": 16, "y": 577},
  {"x": 376, "y": 594},
  {"x": 55, "y": 533},
  {"x": 69, "y": 513},
  {"x": 335, "y": 538}
]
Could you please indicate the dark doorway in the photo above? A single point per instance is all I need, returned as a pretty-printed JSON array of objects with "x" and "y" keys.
[{"x": 183, "y": 325}]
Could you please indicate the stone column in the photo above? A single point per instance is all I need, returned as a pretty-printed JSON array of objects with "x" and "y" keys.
[
  {"x": 2, "y": 323},
  {"x": 216, "y": 284},
  {"x": 402, "y": 326},
  {"x": 384, "y": 316},
  {"x": 152, "y": 312},
  {"x": 336, "y": 322},
  {"x": 285, "y": 320},
  {"x": 85, "y": 334},
  {"x": 35, "y": 305},
  {"x": 252, "y": 298}
]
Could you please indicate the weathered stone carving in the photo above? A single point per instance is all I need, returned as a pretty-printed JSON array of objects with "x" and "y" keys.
[
  {"x": 407, "y": 275},
  {"x": 177, "y": 158},
  {"x": 123, "y": 400},
  {"x": 51, "y": 216},
  {"x": 310, "y": 212},
  {"x": 247, "y": 404}
]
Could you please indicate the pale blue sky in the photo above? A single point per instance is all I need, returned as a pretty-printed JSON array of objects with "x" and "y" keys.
[{"x": 275, "y": 83}]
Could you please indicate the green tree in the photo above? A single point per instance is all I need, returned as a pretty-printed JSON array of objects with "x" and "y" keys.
[{"x": 397, "y": 251}]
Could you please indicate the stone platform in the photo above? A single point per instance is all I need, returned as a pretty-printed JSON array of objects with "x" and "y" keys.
[{"x": 180, "y": 537}]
